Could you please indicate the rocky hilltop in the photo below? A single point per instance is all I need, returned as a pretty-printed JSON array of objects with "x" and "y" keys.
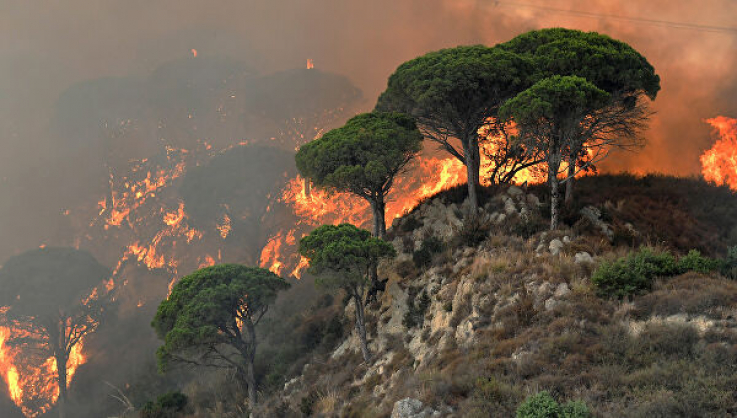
[{"x": 480, "y": 314}]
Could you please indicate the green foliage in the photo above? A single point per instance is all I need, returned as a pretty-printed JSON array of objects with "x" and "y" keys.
[
  {"x": 363, "y": 156},
  {"x": 455, "y": 88},
  {"x": 542, "y": 405},
  {"x": 343, "y": 254},
  {"x": 609, "y": 64},
  {"x": 168, "y": 405},
  {"x": 416, "y": 309},
  {"x": 554, "y": 100},
  {"x": 694, "y": 261},
  {"x": 634, "y": 273},
  {"x": 575, "y": 409},
  {"x": 431, "y": 246},
  {"x": 204, "y": 308}
]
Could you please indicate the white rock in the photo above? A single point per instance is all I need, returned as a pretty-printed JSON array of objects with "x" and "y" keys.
[
  {"x": 555, "y": 246},
  {"x": 562, "y": 290},
  {"x": 509, "y": 207},
  {"x": 583, "y": 257},
  {"x": 412, "y": 408},
  {"x": 551, "y": 303}
]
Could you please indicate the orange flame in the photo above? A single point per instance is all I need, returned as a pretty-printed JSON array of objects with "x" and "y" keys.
[
  {"x": 33, "y": 387},
  {"x": 194, "y": 52},
  {"x": 310, "y": 64},
  {"x": 719, "y": 164}
]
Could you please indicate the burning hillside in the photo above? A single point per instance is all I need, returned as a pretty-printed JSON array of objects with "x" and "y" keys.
[{"x": 183, "y": 161}]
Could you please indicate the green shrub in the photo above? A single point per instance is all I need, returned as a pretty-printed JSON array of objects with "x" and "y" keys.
[
  {"x": 633, "y": 274},
  {"x": 168, "y": 405},
  {"x": 542, "y": 405},
  {"x": 694, "y": 261},
  {"x": 575, "y": 409}
]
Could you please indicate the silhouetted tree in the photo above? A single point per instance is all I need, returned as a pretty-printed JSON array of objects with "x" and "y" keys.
[{"x": 54, "y": 298}]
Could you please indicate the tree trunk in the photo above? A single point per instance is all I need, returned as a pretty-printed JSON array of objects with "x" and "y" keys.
[
  {"x": 570, "y": 182},
  {"x": 61, "y": 368},
  {"x": 471, "y": 174},
  {"x": 361, "y": 327},
  {"x": 553, "y": 168},
  {"x": 476, "y": 160},
  {"x": 251, "y": 380},
  {"x": 378, "y": 207},
  {"x": 250, "y": 357}
]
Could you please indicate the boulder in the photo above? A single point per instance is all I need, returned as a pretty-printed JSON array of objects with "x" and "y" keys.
[
  {"x": 555, "y": 246},
  {"x": 583, "y": 257},
  {"x": 562, "y": 290},
  {"x": 412, "y": 408}
]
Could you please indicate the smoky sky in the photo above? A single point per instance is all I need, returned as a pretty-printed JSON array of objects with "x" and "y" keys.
[{"x": 47, "y": 46}]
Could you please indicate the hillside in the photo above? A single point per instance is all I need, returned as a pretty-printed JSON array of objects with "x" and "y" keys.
[{"x": 477, "y": 316}]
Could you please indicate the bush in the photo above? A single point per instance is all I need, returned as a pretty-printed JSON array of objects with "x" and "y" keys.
[
  {"x": 474, "y": 231},
  {"x": 428, "y": 249},
  {"x": 694, "y": 261},
  {"x": 633, "y": 274},
  {"x": 307, "y": 404},
  {"x": 416, "y": 308},
  {"x": 168, "y": 405},
  {"x": 542, "y": 405},
  {"x": 729, "y": 264}
]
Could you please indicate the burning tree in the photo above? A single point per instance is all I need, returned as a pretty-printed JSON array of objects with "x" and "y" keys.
[
  {"x": 454, "y": 93},
  {"x": 53, "y": 299},
  {"x": 343, "y": 257},
  {"x": 363, "y": 157},
  {"x": 610, "y": 65},
  {"x": 210, "y": 319}
]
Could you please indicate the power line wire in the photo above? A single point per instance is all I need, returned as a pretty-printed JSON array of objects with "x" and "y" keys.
[{"x": 654, "y": 22}]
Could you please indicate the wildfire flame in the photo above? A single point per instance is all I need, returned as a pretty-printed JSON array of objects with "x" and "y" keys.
[
  {"x": 194, "y": 53},
  {"x": 719, "y": 164},
  {"x": 31, "y": 383},
  {"x": 310, "y": 64}
]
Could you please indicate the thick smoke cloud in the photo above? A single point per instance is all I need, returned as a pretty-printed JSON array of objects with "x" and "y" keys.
[{"x": 48, "y": 47}]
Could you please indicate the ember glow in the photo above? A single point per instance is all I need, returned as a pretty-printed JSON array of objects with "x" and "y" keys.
[{"x": 720, "y": 162}]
